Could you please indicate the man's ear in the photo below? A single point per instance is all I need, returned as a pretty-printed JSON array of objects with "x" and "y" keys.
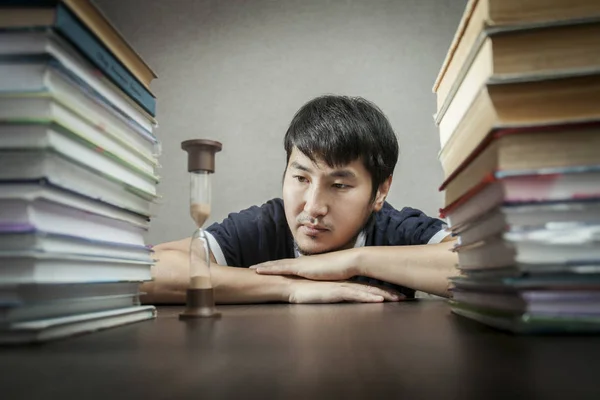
[{"x": 382, "y": 193}]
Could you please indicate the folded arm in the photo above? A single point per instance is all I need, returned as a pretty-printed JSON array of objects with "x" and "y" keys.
[
  {"x": 241, "y": 285},
  {"x": 232, "y": 285},
  {"x": 423, "y": 267}
]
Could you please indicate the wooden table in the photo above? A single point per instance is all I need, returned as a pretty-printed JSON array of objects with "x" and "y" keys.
[{"x": 411, "y": 350}]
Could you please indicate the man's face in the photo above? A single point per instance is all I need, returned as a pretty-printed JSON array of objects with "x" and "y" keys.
[{"x": 327, "y": 207}]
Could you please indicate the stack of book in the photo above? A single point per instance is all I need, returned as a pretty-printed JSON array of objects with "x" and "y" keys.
[
  {"x": 78, "y": 163},
  {"x": 519, "y": 122}
]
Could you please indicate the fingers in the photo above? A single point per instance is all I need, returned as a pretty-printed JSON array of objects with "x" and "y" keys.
[
  {"x": 305, "y": 291},
  {"x": 275, "y": 268},
  {"x": 368, "y": 294},
  {"x": 386, "y": 293},
  {"x": 265, "y": 264},
  {"x": 344, "y": 293}
]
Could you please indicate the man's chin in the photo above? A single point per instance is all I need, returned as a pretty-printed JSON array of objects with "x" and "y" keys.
[{"x": 308, "y": 249}]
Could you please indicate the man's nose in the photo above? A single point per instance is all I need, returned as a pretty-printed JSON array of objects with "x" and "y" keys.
[{"x": 315, "y": 203}]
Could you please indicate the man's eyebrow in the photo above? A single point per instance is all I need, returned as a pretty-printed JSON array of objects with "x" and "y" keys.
[
  {"x": 297, "y": 165},
  {"x": 340, "y": 173},
  {"x": 343, "y": 173}
]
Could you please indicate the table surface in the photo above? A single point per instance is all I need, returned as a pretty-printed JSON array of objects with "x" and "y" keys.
[{"x": 410, "y": 350}]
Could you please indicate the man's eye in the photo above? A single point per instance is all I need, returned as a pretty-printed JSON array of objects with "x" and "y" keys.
[
  {"x": 300, "y": 179},
  {"x": 340, "y": 186}
]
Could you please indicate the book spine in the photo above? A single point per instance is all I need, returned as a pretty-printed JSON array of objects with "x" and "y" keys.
[{"x": 73, "y": 30}]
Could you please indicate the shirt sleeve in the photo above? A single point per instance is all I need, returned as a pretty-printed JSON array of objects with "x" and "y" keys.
[
  {"x": 407, "y": 226},
  {"x": 417, "y": 228}
]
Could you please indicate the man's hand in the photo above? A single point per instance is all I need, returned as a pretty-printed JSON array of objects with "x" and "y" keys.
[
  {"x": 305, "y": 291},
  {"x": 334, "y": 266}
]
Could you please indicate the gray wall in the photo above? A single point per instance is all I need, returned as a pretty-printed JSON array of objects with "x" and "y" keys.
[{"x": 237, "y": 71}]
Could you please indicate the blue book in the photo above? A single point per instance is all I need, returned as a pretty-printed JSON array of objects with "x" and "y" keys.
[{"x": 72, "y": 29}]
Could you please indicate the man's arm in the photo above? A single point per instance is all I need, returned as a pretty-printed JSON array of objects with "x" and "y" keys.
[
  {"x": 241, "y": 285},
  {"x": 423, "y": 267}
]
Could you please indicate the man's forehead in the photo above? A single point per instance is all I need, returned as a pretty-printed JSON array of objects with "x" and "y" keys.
[{"x": 301, "y": 161}]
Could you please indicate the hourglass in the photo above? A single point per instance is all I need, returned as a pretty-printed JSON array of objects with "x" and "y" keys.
[{"x": 200, "y": 300}]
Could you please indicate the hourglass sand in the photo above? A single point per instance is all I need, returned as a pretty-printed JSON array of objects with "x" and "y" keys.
[{"x": 200, "y": 300}]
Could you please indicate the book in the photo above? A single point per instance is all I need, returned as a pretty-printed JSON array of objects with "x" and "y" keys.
[
  {"x": 45, "y": 268},
  {"x": 10, "y": 314},
  {"x": 573, "y": 271},
  {"x": 38, "y": 48},
  {"x": 507, "y": 218},
  {"x": 56, "y": 328},
  {"x": 528, "y": 323},
  {"x": 23, "y": 215},
  {"x": 556, "y": 302},
  {"x": 535, "y": 148},
  {"x": 509, "y": 280},
  {"x": 26, "y": 109},
  {"x": 484, "y": 17},
  {"x": 26, "y": 13},
  {"x": 570, "y": 245},
  {"x": 48, "y": 81},
  {"x": 57, "y": 170},
  {"x": 32, "y": 192},
  {"x": 513, "y": 187},
  {"x": 34, "y": 240},
  {"x": 520, "y": 56},
  {"x": 14, "y": 295},
  {"x": 67, "y": 24},
  {"x": 38, "y": 137},
  {"x": 523, "y": 104}
]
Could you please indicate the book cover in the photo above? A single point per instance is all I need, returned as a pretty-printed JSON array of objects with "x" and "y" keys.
[
  {"x": 68, "y": 25},
  {"x": 94, "y": 50},
  {"x": 29, "y": 267},
  {"x": 51, "y": 168},
  {"x": 499, "y": 133},
  {"x": 23, "y": 13},
  {"x": 30, "y": 46},
  {"x": 57, "y": 328},
  {"x": 45, "y": 137},
  {"x": 531, "y": 186},
  {"x": 34, "y": 240}
]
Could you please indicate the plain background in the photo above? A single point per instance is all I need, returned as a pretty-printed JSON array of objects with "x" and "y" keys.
[{"x": 236, "y": 71}]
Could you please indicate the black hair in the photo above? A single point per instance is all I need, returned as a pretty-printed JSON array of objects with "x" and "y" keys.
[{"x": 341, "y": 129}]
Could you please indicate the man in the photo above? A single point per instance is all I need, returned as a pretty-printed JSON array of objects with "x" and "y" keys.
[{"x": 332, "y": 237}]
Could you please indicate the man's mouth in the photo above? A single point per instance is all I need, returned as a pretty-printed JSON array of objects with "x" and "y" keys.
[{"x": 312, "y": 230}]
